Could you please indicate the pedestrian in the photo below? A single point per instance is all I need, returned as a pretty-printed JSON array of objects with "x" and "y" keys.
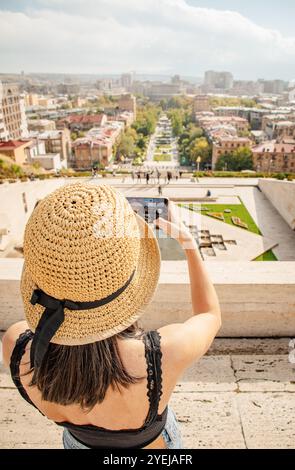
[
  {"x": 169, "y": 176},
  {"x": 147, "y": 177},
  {"x": 208, "y": 193},
  {"x": 180, "y": 174},
  {"x": 138, "y": 177},
  {"x": 160, "y": 192},
  {"x": 158, "y": 176}
]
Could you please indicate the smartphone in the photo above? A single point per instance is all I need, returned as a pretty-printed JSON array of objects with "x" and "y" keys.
[{"x": 150, "y": 208}]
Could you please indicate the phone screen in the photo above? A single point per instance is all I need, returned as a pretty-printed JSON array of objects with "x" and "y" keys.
[{"x": 149, "y": 208}]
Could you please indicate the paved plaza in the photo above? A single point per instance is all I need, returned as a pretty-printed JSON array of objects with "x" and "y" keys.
[{"x": 277, "y": 235}]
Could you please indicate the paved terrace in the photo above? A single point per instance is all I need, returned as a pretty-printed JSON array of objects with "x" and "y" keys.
[{"x": 240, "y": 395}]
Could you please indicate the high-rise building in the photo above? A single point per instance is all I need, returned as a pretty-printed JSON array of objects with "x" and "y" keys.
[
  {"x": 218, "y": 80},
  {"x": 276, "y": 87},
  {"x": 126, "y": 80},
  {"x": 127, "y": 102},
  {"x": 13, "y": 123}
]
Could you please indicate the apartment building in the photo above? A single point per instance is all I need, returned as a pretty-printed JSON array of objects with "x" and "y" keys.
[
  {"x": 56, "y": 142},
  {"x": 81, "y": 122},
  {"x": 208, "y": 122},
  {"x": 97, "y": 146},
  {"x": 218, "y": 80},
  {"x": 127, "y": 102},
  {"x": 89, "y": 151},
  {"x": 227, "y": 145},
  {"x": 13, "y": 123},
  {"x": 41, "y": 125},
  {"x": 276, "y": 125},
  {"x": 275, "y": 157},
  {"x": 201, "y": 104}
]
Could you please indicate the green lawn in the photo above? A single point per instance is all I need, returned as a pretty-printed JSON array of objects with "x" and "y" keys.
[
  {"x": 237, "y": 210},
  {"x": 164, "y": 146},
  {"x": 267, "y": 256},
  {"x": 162, "y": 158}
]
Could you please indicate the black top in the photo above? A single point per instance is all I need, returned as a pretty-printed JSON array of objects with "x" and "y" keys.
[{"x": 97, "y": 437}]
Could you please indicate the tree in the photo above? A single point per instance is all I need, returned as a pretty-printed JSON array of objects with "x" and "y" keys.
[
  {"x": 176, "y": 117},
  {"x": 240, "y": 159},
  {"x": 200, "y": 148},
  {"x": 127, "y": 146}
]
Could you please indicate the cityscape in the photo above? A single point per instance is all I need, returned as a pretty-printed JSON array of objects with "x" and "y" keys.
[{"x": 222, "y": 148}]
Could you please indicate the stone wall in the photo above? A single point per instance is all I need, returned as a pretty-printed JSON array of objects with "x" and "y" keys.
[
  {"x": 282, "y": 196},
  {"x": 257, "y": 299}
]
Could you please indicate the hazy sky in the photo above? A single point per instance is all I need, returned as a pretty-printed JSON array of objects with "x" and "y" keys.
[{"x": 253, "y": 38}]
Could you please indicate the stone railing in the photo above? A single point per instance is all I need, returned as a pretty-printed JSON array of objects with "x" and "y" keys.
[{"x": 257, "y": 298}]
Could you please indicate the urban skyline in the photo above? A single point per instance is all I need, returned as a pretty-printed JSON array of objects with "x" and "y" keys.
[{"x": 151, "y": 37}]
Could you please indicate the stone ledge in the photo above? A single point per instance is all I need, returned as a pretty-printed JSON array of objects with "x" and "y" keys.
[{"x": 257, "y": 299}]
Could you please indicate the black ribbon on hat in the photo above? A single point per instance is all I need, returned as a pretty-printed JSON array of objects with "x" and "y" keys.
[{"x": 53, "y": 317}]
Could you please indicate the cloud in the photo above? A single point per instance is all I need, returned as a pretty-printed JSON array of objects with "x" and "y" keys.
[{"x": 160, "y": 36}]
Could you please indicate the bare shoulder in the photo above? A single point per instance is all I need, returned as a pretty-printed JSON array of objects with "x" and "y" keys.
[
  {"x": 184, "y": 343},
  {"x": 9, "y": 339}
]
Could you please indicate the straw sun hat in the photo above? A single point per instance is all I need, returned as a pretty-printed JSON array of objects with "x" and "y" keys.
[{"x": 91, "y": 264}]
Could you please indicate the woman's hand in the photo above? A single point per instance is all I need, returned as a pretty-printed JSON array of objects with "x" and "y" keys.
[{"x": 175, "y": 228}]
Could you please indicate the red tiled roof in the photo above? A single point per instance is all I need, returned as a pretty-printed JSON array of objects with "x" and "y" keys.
[
  {"x": 85, "y": 118},
  {"x": 12, "y": 144},
  {"x": 275, "y": 147}
]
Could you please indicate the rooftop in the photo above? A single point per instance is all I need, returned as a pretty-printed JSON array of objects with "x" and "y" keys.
[{"x": 13, "y": 144}]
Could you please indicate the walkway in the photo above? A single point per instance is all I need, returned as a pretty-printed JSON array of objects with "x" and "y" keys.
[
  {"x": 241, "y": 395},
  {"x": 271, "y": 224}
]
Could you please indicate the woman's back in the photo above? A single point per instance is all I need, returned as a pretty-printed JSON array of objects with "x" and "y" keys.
[{"x": 122, "y": 408}]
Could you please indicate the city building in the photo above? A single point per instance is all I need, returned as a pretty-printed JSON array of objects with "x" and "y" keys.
[
  {"x": 82, "y": 122},
  {"x": 50, "y": 162},
  {"x": 127, "y": 102},
  {"x": 68, "y": 88},
  {"x": 13, "y": 123},
  {"x": 55, "y": 142},
  {"x": 89, "y": 152},
  {"x": 246, "y": 87},
  {"x": 17, "y": 150},
  {"x": 97, "y": 146},
  {"x": 275, "y": 125},
  {"x": 275, "y": 157},
  {"x": 31, "y": 99},
  {"x": 218, "y": 80},
  {"x": 158, "y": 91},
  {"x": 201, "y": 104},
  {"x": 275, "y": 87},
  {"x": 208, "y": 122},
  {"x": 126, "y": 81},
  {"x": 291, "y": 95},
  {"x": 41, "y": 125},
  {"x": 227, "y": 145}
]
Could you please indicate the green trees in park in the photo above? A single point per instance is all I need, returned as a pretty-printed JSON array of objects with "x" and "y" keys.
[
  {"x": 238, "y": 160},
  {"x": 200, "y": 147},
  {"x": 146, "y": 120},
  {"x": 77, "y": 135},
  {"x": 127, "y": 144},
  {"x": 177, "y": 120},
  {"x": 216, "y": 101},
  {"x": 193, "y": 144}
]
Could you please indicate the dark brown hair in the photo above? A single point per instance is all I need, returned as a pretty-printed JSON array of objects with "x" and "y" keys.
[{"x": 82, "y": 374}]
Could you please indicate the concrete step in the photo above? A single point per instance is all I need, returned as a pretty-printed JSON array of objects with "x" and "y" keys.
[{"x": 240, "y": 395}]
